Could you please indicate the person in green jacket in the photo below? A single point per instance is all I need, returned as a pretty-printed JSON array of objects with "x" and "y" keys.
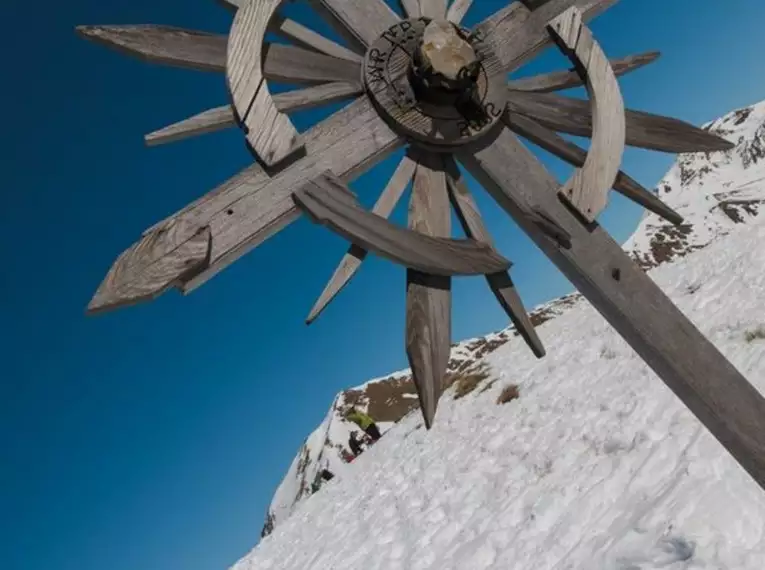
[{"x": 364, "y": 422}]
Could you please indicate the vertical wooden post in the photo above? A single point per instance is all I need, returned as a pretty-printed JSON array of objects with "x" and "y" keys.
[{"x": 710, "y": 386}]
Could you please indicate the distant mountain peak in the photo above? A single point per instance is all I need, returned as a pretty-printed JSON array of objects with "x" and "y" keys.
[{"x": 713, "y": 192}]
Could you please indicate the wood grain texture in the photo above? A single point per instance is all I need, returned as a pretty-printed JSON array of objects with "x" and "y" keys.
[
  {"x": 410, "y": 8},
  {"x": 500, "y": 283},
  {"x": 643, "y": 130},
  {"x": 328, "y": 202},
  {"x": 558, "y": 80},
  {"x": 688, "y": 363},
  {"x": 365, "y": 19},
  {"x": 166, "y": 45},
  {"x": 244, "y": 56},
  {"x": 587, "y": 189},
  {"x": 352, "y": 260},
  {"x": 429, "y": 297},
  {"x": 517, "y": 34},
  {"x": 315, "y": 96},
  {"x": 457, "y": 10},
  {"x": 270, "y": 134},
  {"x": 307, "y": 38},
  {"x": 186, "y": 255},
  {"x": 252, "y": 206},
  {"x": 553, "y": 143},
  {"x": 207, "y": 121},
  {"x": 348, "y": 143},
  {"x": 434, "y": 9},
  {"x": 294, "y": 65}
]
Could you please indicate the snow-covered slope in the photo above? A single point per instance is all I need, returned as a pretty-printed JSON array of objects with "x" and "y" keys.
[
  {"x": 596, "y": 465},
  {"x": 386, "y": 399},
  {"x": 715, "y": 193}
]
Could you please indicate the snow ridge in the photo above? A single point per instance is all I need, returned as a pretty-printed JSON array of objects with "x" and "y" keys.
[
  {"x": 714, "y": 192},
  {"x": 595, "y": 465}
]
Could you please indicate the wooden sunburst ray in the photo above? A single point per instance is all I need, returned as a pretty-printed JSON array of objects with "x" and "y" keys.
[{"x": 418, "y": 79}]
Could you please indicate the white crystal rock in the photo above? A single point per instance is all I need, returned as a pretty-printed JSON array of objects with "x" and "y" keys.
[{"x": 445, "y": 50}]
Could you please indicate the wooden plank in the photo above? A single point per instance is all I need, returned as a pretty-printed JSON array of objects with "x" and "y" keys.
[
  {"x": 644, "y": 130},
  {"x": 269, "y": 133},
  {"x": 434, "y": 9},
  {"x": 307, "y": 38},
  {"x": 122, "y": 288},
  {"x": 365, "y": 19},
  {"x": 573, "y": 154},
  {"x": 207, "y": 121},
  {"x": 516, "y": 34},
  {"x": 252, "y": 206},
  {"x": 328, "y": 202},
  {"x": 688, "y": 363},
  {"x": 558, "y": 80},
  {"x": 352, "y": 260},
  {"x": 291, "y": 64},
  {"x": 587, "y": 189},
  {"x": 166, "y": 45},
  {"x": 457, "y": 10},
  {"x": 350, "y": 142},
  {"x": 411, "y": 8},
  {"x": 500, "y": 283},
  {"x": 428, "y": 297},
  {"x": 244, "y": 55},
  {"x": 316, "y": 96}
]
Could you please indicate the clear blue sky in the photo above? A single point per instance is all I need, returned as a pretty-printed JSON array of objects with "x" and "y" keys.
[{"x": 153, "y": 437}]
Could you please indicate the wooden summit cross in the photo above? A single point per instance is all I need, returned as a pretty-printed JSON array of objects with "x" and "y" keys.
[{"x": 422, "y": 81}]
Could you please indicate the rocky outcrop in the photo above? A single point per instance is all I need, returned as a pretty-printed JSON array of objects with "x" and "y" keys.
[{"x": 714, "y": 192}]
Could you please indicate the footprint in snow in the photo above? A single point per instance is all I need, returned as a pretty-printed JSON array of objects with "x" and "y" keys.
[{"x": 670, "y": 553}]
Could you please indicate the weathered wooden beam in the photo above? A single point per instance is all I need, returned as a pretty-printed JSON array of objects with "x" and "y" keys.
[
  {"x": 291, "y": 64},
  {"x": 316, "y": 96},
  {"x": 587, "y": 189},
  {"x": 688, "y": 363},
  {"x": 435, "y": 9},
  {"x": 269, "y": 133},
  {"x": 207, "y": 121},
  {"x": 559, "y": 80},
  {"x": 352, "y": 260},
  {"x": 428, "y": 297},
  {"x": 457, "y": 10},
  {"x": 365, "y": 19},
  {"x": 252, "y": 206},
  {"x": 553, "y": 143},
  {"x": 643, "y": 130},
  {"x": 329, "y": 202},
  {"x": 123, "y": 287},
  {"x": 307, "y": 38},
  {"x": 411, "y": 8},
  {"x": 500, "y": 283},
  {"x": 517, "y": 34},
  {"x": 167, "y": 45}
]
